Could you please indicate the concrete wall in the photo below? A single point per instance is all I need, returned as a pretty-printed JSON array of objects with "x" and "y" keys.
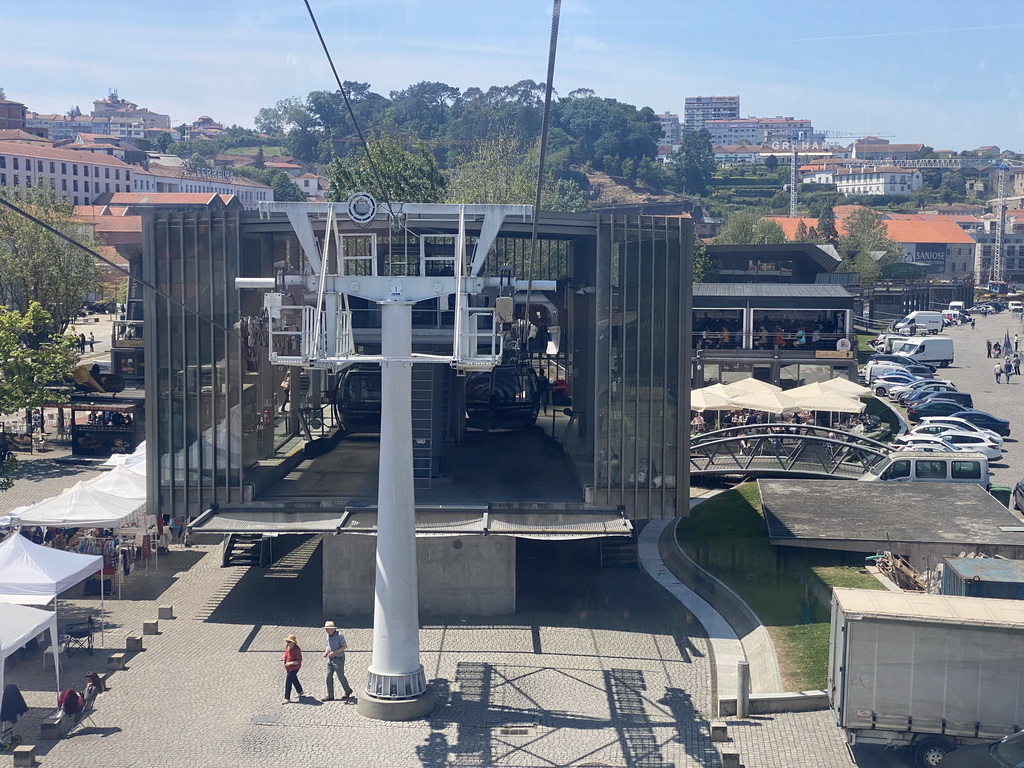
[{"x": 460, "y": 576}]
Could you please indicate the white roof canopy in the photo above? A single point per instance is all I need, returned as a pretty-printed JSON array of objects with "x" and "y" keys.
[
  {"x": 31, "y": 574},
  {"x": 121, "y": 481},
  {"x": 18, "y": 625},
  {"x": 80, "y": 506}
]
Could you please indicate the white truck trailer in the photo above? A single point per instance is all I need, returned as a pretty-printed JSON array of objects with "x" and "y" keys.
[{"x": 927, "y": 671}]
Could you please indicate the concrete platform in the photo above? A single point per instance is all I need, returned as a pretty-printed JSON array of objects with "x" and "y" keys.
[{"x": 921, "y": 521}]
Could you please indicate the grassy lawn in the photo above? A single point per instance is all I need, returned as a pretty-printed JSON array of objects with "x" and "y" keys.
[
  {"x": 267, "y": 151},
  {"x": 789, "y": 589}
]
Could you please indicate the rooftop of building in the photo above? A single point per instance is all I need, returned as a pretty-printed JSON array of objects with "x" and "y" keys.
[
  {"x": 49, "y": 153},
  {"x": 773, "y": 290}
]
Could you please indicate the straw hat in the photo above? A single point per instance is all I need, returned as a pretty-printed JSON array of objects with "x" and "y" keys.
[
  {"x": 291, "y": 639},
  {"x": 329, "y": 625}
]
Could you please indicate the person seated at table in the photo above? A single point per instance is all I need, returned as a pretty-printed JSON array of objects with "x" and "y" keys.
[
  {"x": 780, "y": 337},
  {"x": 801, "y": 338},
  {"x": 761, "y": 340},
  {"x": 726, "y": 336}
]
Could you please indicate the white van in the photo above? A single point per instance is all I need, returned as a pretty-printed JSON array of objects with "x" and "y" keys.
[
  {"x": 886, "y": 342},
  {"x": 929, "y": 467},
  {"x": 932, "y": 350},
  {"x": 1015, "y": 306},
  {"x": 923, "y": 323},
  {"x": 959, "y": 306}
]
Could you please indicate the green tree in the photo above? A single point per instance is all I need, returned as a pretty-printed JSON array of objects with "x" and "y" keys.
[
  {"x": 800, "y": 236},
  {"x": 285, "y": 189},
  {"x": 163, "y": 141},
  {"x": 260, "y": 162},
  {"x": 866, "y": 246},
  {"x": 31, "y": 358},
  {"x": 695, "y": 162},
  {"x": 703, "y": 266},
  {"x": 37, "y": 266},
  {"x": 411, "y": 174},
  {"x": 827, "y": 224},
  {"x": 771, "y": 163},
  {"x": 749, "y": 228},
  {"x": 500, "y": 172}
]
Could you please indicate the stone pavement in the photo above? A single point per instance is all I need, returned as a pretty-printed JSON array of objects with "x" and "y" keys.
[{"x": 605, "y": 670}]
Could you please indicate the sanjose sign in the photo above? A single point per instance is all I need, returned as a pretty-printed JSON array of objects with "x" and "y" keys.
[{"x": 791, "y": 145}]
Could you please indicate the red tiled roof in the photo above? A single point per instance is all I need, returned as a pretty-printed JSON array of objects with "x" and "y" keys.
[
  {"x": 790, "y": 226},
  {"x": 49, "y": 153},
  {"x": 941, "y": 231},
  {"x": 166, "y": 198}
]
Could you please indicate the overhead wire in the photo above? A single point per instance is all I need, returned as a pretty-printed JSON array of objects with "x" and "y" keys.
[
  {"x": 384, "y": 191},
  {"x": 6, "y": 203},
  {"x": 552, "y": 50}
]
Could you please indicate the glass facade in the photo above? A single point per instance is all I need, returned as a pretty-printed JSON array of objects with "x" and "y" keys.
[
  {"x": 226, "y": 421},
  {"x": 644, "y": 267}
]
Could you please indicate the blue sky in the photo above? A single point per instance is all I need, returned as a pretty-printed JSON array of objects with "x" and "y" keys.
[{"x": 942, "y": 72}]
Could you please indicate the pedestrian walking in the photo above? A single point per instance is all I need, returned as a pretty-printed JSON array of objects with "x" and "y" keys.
[
  {"x": 1007, "y": 368},
  {"x": 1016, "y": 364},
  {"x": 81, "y": 343},
  {"x": 988, "y": 348},
  {"x": 1016, "y": 342},
  {"x": 92, "y": 341},
  {"x": 292, "y": 659},
  {"x": 335, "y": 655},
  {"x": 998, "y": 371},
  {"x": 543, "y": 390},
  {"x": 973, "y": 321}
]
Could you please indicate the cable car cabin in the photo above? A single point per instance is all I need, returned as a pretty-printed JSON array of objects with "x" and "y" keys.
[
  {"x": 502, "y": 398},
  {"x": 102, "y": 429},
  {"x": 357, "y": 399}
]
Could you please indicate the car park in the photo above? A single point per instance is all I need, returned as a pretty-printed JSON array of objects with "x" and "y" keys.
[
  {"x": 932, "y": 407},
  {"x": 1005, "y": 753},
  {"x": 961, "y": 424},
  {"x": 929, "y": 427},
  {"x": 986, "y": 420}
]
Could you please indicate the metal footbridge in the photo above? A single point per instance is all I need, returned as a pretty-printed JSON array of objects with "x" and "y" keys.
[{"x": 784, "y": 450}]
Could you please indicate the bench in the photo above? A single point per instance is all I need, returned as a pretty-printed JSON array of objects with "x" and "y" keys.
[
  {"x": 117, "y": 660},
  {"x": 24, "y": 756}
]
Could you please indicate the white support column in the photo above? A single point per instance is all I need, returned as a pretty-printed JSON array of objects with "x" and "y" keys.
[{"x": 396, "y": 686}]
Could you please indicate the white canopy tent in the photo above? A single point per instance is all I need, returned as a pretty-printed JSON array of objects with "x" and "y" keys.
[
  {"x": 705, "y": 400},
  {"x": 135, "y": 460},
  {"x": 122, "y": 482},
  {"x": 81, "y": 506},
  {"x": 18, "y": 625}
]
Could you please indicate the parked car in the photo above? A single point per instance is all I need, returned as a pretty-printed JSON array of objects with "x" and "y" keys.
[
  {"x": 925, "y": 370},
  {"x": 883, "y": 384},
  {"x": 909, "y": 442},
  {"x": 932, "y": 407},
  {"x": 961, "y": 424},
  {"x": 1005, "y": 753},
  {"x": 964, "y": 398},
  {"x": 928, "y": 427},
  {"x": 986, "y": 420},
  {"x": 965, "y": 441},
  {"x": 921, "y": 385}
]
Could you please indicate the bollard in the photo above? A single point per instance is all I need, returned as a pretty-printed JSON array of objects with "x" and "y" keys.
[
  {"x": 730, "y": 758},
  {"x": 743, "y": 688},
  {"x": 25, "y": 755},
  {"x": 719, "y": 730},
  {"x": 150, "y": 628},
  {"x": 133, "y": 644},
  {"x": 165, "y": 612}
]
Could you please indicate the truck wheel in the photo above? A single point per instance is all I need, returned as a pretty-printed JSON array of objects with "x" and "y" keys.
[
  {"x": 929, "y": 752},
  {"x": 944, "y": 364}
]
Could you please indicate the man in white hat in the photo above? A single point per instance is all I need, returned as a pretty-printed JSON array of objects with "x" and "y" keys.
[{"x": 335, "y": 655}]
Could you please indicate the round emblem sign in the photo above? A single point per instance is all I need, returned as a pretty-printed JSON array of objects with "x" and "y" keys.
[
  {"x": 362, "y": 208},
  {"x": 843, "y": 345}
]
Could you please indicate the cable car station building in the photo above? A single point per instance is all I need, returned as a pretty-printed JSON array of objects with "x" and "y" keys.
[{"x": 264, "y": 390}]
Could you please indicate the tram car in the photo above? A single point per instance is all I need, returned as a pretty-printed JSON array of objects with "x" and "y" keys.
[{"x": 357, "y": 399}]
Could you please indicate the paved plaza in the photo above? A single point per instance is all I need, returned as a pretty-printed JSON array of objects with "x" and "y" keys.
[{"x": 603, "y": 668}]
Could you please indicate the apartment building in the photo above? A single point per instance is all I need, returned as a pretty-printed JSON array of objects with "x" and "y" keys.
[
  {"x": 699, "y": 109},
  {"x": 161, "y": 179},
  {"x": 12, "y": 115},
  {"x": 78, "y": 176},
  {"x": 671, "y": 130},
  {"x": 758, "y": 130},
  {"x": 877, "y": 180}
]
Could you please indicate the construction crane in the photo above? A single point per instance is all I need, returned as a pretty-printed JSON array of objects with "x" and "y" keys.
[
  {"x": 795, "y": 139},
  {"x": 997, "y": 252}
]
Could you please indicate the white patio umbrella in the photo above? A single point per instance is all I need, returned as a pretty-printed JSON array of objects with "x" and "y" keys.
[
  {"x": 812, "y": 397},
  {"x": 843, "y": 385},
  {"x": 704, "y": 400},
  {"x": 750, "y": 385},
  {"x": 770, "y": 402}
]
